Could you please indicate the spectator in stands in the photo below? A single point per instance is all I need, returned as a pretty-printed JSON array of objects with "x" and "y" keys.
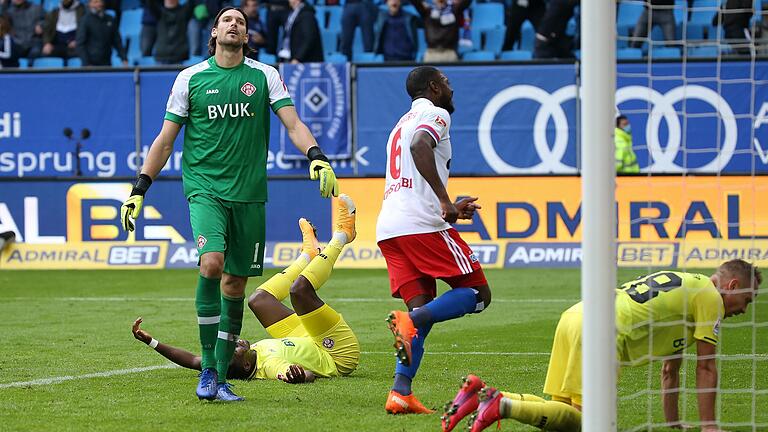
[
  {"x": 257, "y": 32},
  {"x": 60, "y": 29},
  {"x": 148, "y": 30},
  {"x": 659, "y": 13},
  {"x": 396, "y": 33},
  {"x": 277, "y": 14},
  {"x": 302, "y": 42},
  {"x": 97, "y": 34},
  {"x": 200, "y": 23},
  {"x": 551, "y": 40},
  {"x": 357, "y": 13},
  {"x": 517, "y": 13},
  {"x": 172, "y": 45},
  {"x": 442, "y": 21},
  {"x": 734, "y": 16},
  {"x": 9, "y": 49},
  {"x": 626, "y": 160},
  {"x": 27, "y": 21}
]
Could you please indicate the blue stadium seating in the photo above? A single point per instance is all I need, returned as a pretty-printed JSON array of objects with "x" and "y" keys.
[
  {"x": 487, "y": 16},
  {"x": 494, "y": 40},
  {"x": 703, "y": 51},
  {"x": 479, "y": 56},
  {"x": 368, "y": 57},
  {"x": 193, "y": 60},
  {"x": 336, "y": 58},
  {"x": 48, "y": 62},
  {"x": 629, "y": 53},
  {"x": 74, "y": 62},
  {"x": 330, "y": 41},
  {"x": 267, "y": 58},
  {"x": 146, "y": 61},
  {"x": 130, "y": 23},
  {"x": 665, "y": 53},
  {"x": 321, "y": 15},
  {"x": 334, "y": 18},
  {"x": 527, "y": 36},
  {"x": 518, "y": 55},
  {"x": 704, "y": 11},
  {"x": 127, "y": 5},
  {"x": 23, "y": 63},
  {"x": 629, "y": 13}
]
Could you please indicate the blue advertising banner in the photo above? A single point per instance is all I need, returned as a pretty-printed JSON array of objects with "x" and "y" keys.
[
  {"x": 49, "y": 122},
  {"x": 321, "y": 93},
  {"x": 522, "y": 119}
]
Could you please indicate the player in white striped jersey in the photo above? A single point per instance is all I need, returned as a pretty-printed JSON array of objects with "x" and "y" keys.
[{"x": 414, "y": 232}]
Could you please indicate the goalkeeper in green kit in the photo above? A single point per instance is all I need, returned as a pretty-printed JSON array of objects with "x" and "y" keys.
[{"x": 224, "y": 104}]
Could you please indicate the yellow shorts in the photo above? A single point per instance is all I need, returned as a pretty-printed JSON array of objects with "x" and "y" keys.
[
  {"x": 333, "y": 335},
  {"x": 563, "y": 381}
]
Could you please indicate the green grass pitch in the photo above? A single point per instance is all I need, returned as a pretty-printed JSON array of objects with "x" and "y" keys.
[{"x": 74, "y": 323}]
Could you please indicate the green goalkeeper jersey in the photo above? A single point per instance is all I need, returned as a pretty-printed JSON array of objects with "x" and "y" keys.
[{"x": 225, "y": 112}]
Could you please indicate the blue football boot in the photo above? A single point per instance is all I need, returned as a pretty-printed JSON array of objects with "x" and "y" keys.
[
  {"x": 224, "y": 393},
  {"x": 206, "y": 389}
]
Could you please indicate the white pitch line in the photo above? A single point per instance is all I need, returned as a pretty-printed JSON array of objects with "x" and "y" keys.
[
  {"x": 330, "y": 300},
  {"x": 474, "y": 353},
  {"x": 57, "y": 380}
]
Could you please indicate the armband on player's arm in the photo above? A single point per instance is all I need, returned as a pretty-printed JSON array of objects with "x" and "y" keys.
[
  {"x": 131, "y": 208},
  {"x": 320, "y": 169}
]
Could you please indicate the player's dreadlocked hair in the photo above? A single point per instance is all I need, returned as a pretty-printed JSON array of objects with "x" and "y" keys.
[
  {"x": 212, "y": 41},
  {"x": 418, "y": 80},
  {"x": 743, "y": 270}
]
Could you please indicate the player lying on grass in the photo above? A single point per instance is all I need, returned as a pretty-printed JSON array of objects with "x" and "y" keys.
[
  {"x": 666, "y": 311},
  {"x": 310, "y": 341}
]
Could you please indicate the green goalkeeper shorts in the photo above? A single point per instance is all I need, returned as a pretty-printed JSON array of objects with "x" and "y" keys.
[{"x": 235, "y": 229}]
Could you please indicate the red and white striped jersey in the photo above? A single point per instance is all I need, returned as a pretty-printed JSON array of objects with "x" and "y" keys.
[{"x": 410, "y": 206}]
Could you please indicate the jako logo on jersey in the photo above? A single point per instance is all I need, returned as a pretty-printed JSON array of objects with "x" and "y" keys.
[
  {"x": 248, "y": 89},
  {"x": 212, "y": 91},
  {"x": 228, "y": 110}
]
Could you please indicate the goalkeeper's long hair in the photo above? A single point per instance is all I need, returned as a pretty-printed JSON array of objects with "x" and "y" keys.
[{"x": 212, "y": 41}]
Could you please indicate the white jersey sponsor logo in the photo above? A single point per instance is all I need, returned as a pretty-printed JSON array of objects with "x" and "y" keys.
[{"x": 410, "y": 206}]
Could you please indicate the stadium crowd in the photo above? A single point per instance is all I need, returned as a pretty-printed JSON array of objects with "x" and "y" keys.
[{"x": 58, "y": 33}]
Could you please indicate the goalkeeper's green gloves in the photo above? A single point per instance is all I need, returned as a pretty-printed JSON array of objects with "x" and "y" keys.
[
  {"x": 131, "y": 208},
  {"x": 320, "y": 169}
]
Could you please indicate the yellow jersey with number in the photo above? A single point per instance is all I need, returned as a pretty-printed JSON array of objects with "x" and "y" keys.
[
  {"x": 273, "y": 356},
  {"x": 663, "y": 313}
]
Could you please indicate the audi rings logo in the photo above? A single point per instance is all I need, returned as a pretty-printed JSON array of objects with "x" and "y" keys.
[{"x": 663, "y": 108}]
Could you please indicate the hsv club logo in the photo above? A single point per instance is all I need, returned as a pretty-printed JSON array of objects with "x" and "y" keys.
[{"x": 248, "y": 89}]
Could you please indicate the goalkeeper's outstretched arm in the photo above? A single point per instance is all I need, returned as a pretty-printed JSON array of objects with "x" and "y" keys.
[{"x": 177, "y": 355}]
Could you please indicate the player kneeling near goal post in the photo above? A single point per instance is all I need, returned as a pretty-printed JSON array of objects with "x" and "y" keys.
[
  {"x": 310, "y": 341},
  {"x": 666, "y": 311}
]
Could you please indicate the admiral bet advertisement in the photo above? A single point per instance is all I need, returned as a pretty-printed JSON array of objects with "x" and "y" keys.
[{"x": 663, "y": 221}]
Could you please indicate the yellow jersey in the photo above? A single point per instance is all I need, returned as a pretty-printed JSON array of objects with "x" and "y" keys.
[
  {"x": 273, "y": 356},
  {"x": 663, "y": 313}
]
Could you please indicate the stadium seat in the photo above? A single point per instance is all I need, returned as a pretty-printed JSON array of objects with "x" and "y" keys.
[
  {"x": 74, "y": 62},
  {"x": 680, "y": 11},
  {"x": 665, "y": 53},
  {"x": 133, "y": 46},
  {"x": 336, "y": 58},
  {"x": 517, "y": 55},
  {"x": 130, "y": 23},
  {"x": 629, "y": 53},
  {"x": 421, "y": 40},
  {"x": 146, "y": 61},
  {"x": 267, "y": 58},
  {"x": 330, "y": 41},
  {"x": 704, "y": 11},
  {"x": 527, "y": 36},
  {"x": 368, "y": 57},
  {"x": 487, "y": 16},
  {"x": 479, "y": 56},
  {"x": 193, "y": 60},
  {"x": 50, "y": 5},
  {"x": 334, "y": 18},
  {"x": 409, "y": 8},
  {"x": 321, "y": 15},
  {"x": 357, "y": 42},
  {"x": 627, "y": 16},
  {"x": 570, "y": 28},
  {"x": 23, "y": 63},
  {"x": 494, "y": 40},
  {"x": 48, "y": 62},
  {"x": 703, "y": 51}
]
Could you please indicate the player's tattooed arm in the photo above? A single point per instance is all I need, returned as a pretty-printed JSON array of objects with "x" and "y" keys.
[
  {"x": 422, "y": 150},
  {"x": 177, "y": 355}
]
